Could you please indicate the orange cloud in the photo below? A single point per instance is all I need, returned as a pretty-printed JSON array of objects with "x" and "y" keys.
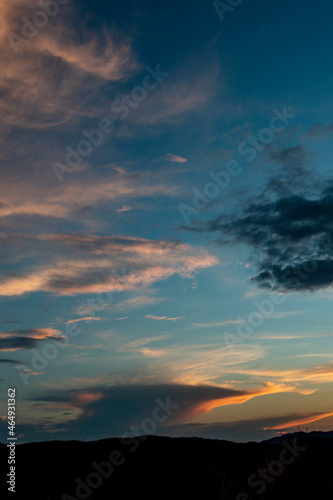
[
  {"x": 27, "y": 199},
  {"x": 87, "y": 318},
  {"x": 87, "y": 265},
  {"x": 268, "y": 388},
  {"x": 34, "y": 333},
  {"x": 85, "y": 399},
  {"x": 316, "y": 374},
  {"x": 299, "y": 421},
  {"x": 43, "y": 76}
]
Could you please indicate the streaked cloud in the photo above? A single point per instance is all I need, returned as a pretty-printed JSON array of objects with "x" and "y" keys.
[
  {"x": 151, "y": 352},
  {"x": 93, "y": 264},
  {"x": 87, "y": 318},
  {"x": 163, "y": 318},
  {"x": 125, "y": 208},
  {"x": 27, "y": 199},
  {"x": 27, "y": 339},
  {"x": 218, "y": 323},
  {"x": 301, "y": 420},
  {"x": 175, "y": 158},
  {"x": 44, "y": 79},
  {"x": 315, "y": 374}
]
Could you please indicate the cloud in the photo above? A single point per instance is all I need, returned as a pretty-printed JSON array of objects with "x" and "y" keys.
[
  {"x": 10, "y": 361},
  {"x": 256, "y": 429},
  {"x": 83, "y": 264},
  {"x": 186, "y": 92},
  {"x": 163, "y": 318},
  {"x": 175, "y": 158},
  {"x": 152, "y": 353},
  {"x": 48, "y": 78},
  {"x": 147, "y": 340},
  {"x": 27, "y": 339},
  {"x": 111, "y": 411},
  {"x": 87, "y": 318},
  {"x": 110, "y": 60},
  {"x": 137, "y": 346},
  {"x": 204, "y": 363},
  {"x": 289, "y": 228},
  {"x": 24, "y": 199},
  {"x": 315, "y": 374},
  {"x": 300, "y": 420},
  {"x": 26, "y": 371},
  {"x": 125, "y": 208},
  {"x": 295, "y": 157},
  {"x": 217, "y": 323},
  {"x": 268, "y": 388},
  {"x": 99, "y": 412},
  {"x": 137, "y": 302}
]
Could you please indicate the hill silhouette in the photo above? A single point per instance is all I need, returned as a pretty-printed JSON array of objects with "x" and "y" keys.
[{"x": 291, "y": 467}]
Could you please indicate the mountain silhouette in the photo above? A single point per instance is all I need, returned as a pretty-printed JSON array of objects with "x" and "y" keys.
[{"x": 290, "y": 467}]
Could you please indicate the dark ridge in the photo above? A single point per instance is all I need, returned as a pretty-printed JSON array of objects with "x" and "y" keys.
[{"x": 175, "y": 468}]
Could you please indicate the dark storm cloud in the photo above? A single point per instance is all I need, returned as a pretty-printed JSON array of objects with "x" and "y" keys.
[
  {"x": 10, "y": 361},
  {"x": 27, "y": 339},
  {"x": 18, "y": 343},
  {"x": 295, "y": 172},
  {"x": 112, "y": 411},
  {"x": 256, "y": 429},
  {"x": 289, "y": 227}
]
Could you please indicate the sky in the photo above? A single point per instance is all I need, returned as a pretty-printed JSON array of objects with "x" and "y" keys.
[{"x": 166, "y": 218}]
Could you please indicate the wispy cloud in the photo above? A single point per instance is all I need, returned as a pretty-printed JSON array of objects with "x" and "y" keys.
[
  {"x": 46, "y": 74},
  {"x": 217, "y": 323},
  {"x": 125, "y": 208},
  {"x": 94, "y": 264},
  {"x": 137, "y": 302},
  {"x": 186, "y": 93},
  {"x": 87, "y": 318},
  {"x": 300, "y": 420},
  {"x": 163, "y": 318},
  {"x": 151, "y": 352},
  {"x": 174, "y": 158},
  {"x": 26, "y": 199},
  {"x": 314, "y": 374}
]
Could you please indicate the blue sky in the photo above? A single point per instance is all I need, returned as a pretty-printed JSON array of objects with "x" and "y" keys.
[{"x": 166, "y": 217}]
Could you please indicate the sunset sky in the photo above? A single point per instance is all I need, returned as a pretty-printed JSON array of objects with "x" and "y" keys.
[{"x": 166, "y": 217}]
